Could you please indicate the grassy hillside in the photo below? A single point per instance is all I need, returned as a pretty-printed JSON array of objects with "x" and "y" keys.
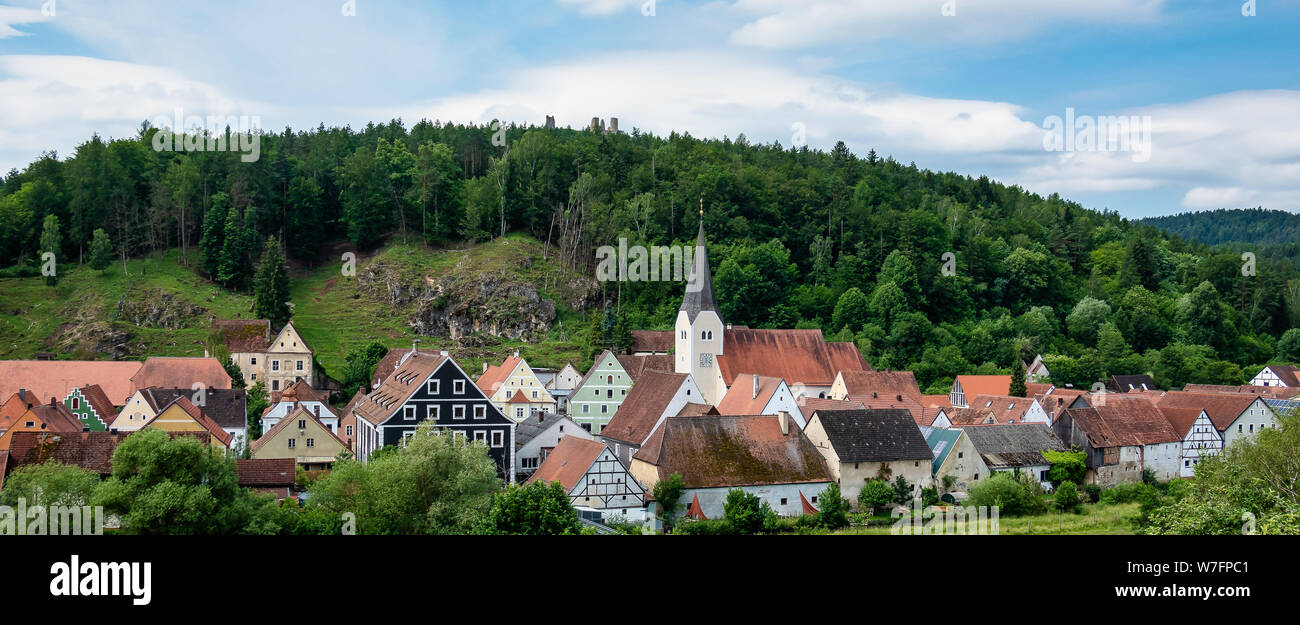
[{"x": 159, "y": 306}]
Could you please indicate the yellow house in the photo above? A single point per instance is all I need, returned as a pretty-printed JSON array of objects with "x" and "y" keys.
[
  {"x": 302, "y": 437},
  {"x": 278, "y": 361},
  {"x": 183, "y": 416},
  {"x": 515, "y": 390}
]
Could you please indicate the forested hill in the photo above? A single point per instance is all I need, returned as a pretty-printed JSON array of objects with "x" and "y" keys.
[
  {"x": 1252, "y": 226},
  {"x": 853, "y": 244}
]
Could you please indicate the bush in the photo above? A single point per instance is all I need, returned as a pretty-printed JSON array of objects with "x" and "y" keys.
[
  {"x": 1067, "y": 466},
  {"x": 1013, "y": 495},
  {"x": 1094, "y": 492},
  {"x": 704, "y": 527},
  {"x": 929, "y": 496},
  {"x": 1127, "y": 492},
  {"x": 902, "y": 490},
  {"x": 835, "y": 508},
  {"x": 745, "y": 512},
  {"x": 1067, "y": 498},
  {"x": 874, "y": 494},
  {"x": 1149, "y": 477}
]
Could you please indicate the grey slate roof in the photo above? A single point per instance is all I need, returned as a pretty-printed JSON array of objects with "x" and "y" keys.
[
  {"x": 533, "y": 426},
  {"x": 1125, "y": 383},
  {"x": 1013, "y": 445},
  {"x": 874, "y": 435},
  {"x": 699, "y": 288},
  {"x": 228, "y": 407}
]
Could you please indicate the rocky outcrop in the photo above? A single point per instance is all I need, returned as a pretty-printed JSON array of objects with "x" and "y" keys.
[{"x": 157, "y": 309}]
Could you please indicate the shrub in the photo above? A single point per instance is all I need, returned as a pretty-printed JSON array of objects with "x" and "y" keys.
[
  {"x": 704, "y": 527},
  {"x": 745, "y": 511},
  {"x": 1013, "y": 495},
  {"x": 1067, "y": 466},
  {"x": 1067, "y": 498},
  {"x": 902, "y": 490},
  {"x": 834, "y": 508},
  {"x": 1094, "y": 492},
  {"x": 874, "y": 494},
  {"x": 1127, "y": 492},
  {"x": 930, "y": 496}
]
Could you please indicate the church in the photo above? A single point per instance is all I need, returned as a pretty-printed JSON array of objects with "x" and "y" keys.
[{"x": 717, "y": 355}]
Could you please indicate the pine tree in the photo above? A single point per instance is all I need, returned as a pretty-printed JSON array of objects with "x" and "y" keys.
[
  {"x": 101, "y": 250},
  {"x": 271, "y": 286},
  {"x": 214, "y": 232},
  {"x": 233, "y": 259},
  {"x": 52, "y": 243},
  {"x": 1018, "y": 388}
]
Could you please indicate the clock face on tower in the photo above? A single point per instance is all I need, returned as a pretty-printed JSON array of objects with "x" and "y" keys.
[{"x": 706, "y": 360}]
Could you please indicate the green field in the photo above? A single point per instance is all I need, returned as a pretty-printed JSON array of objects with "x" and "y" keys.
[
  {"x": 1098, "y": 519},
  {"x": 80, "y": 317}
]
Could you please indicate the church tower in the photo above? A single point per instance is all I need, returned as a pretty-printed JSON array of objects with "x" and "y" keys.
[{"x": 699, "y": 326}]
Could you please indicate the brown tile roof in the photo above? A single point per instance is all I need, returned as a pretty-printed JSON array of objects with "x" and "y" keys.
[
  {"x": 300, "y": 390},
  {"x": 348, "y": 417},
  {"x": 636, "y": 365},
  {"x": 568, "y": 462},
  {"x": 388, "y": 364},
  {"x": 1055, "y": 402},
  {"x": 972, "y": 385},
  {"x": 1275, "y": 392},
  {"x": 943, "y": 401},
  {"x": 653, "y": 341},
  {"x": 1181, "y": 418},
  {"x": 13, "y": 408},
  {"x": 881, "y": 383},
  {"x": 1222, "y": 408},
  {"x": 496, "y": 375},
  {"x": 57, "y": 417},
  {"x": 697, "y": 410},
  {"x": 100, "y": 402},
  {"x": 244, "y": 335},
  {"x": 183, "y": 402},
  {"x": 167, "y": 372},
  {"x": 930, "y": 413},
  {"x": 1035, "y": 388},
  {"x": 740, "y": 399},
  {"x": 1123, "y": 420},
  {"x": 57, "y": 378},
  {"x": 267, "y": 472},
  {"x": 1287, "y": 374},
  {"x": 92, "y": 451},
  {"x": 809, "y": 405},
  {"x": 797, "y": 356},
  {"x": 635, "y": 418},
  {"x": 228, "y": 407},
  {"x": 734, "y": 450},
  {"x": 383, "y": 402},
  {"x": 1005, "y": 410}
]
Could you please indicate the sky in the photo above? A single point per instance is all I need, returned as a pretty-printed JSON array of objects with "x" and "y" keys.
[{"x": 1145, "y": 107}]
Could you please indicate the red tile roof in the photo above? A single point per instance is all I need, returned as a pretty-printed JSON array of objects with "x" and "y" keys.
[
  {"x": 636, "y": 365},
  {"x": 740, "y": 399},
  {"x": 100, "y": 402},
  {"x": 167, "y": 372},
  {"x": 732, "y": 451},
  {"x": 1123, "y": 420},
  {"x": 195, "y": 413},
  {"x": 267, "y": 472},
  {"x": 496, "y": 375},
  {"x": 653, "y": 341},
  {"x": 1288, "y": 374},
  {"x": 57, "y": 378},
  {"x": 1005, "y": 410},
  {"x": 568, "y": 462},
  {"x": 1222, "y": 408},
  {"x": 92, "y": 451},
  {"x": 972, "y": 385},
  {"x": 936, "y": 400},
  {"x": 695, "y": 511},
  {"x": 809, "y": 405},
  {"x": 635, "y": 418},
  {"x": 300, "y": 390},
  {"x": 797, "y": 356},
  {"x": 388, "y": 364},
  {"x": 300, "y": 413},
  {"x": 57, "y": 417}
]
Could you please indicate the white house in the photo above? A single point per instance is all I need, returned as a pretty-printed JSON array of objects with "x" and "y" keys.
[
  {"x": 593, "y": 477},
  {"x": 764, "y": 395},
  {"x": 1277, "y": 375},
  {"x": 1200, "y": 436},
  {"x": 300, "y": 394},
  {"x": 514, "y": 389}
]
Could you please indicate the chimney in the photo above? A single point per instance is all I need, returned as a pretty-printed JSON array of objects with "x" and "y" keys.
[
  {"x": 755, "y": 386},
  {"x": 783, "y": 418},
  {"x": 900, "y": 398},
  {"x": 415, "y": 347},
  {"x": 444, "y": 353},
  {"x": 484, "y": 366},
  {"x": 516, "y": 353}
]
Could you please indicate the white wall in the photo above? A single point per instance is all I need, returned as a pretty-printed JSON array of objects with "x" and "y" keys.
[{"x": 713, "y": 499}]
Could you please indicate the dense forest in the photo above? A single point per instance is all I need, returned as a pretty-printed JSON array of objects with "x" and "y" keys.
[
  {"x": 1253, "y": 227},
  {"x": 854, "y": 245}
]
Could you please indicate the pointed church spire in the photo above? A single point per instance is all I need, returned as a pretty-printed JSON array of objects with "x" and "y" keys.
[{"x": 699, "y": 285}]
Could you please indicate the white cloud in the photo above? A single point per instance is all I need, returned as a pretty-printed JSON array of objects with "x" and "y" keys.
[
  {"x": 57, "y": 102},
  {"x": 14, "y": 16},
  {"x": 1243, "y": 140},
  {"x": 805, "y": 23},
  {"x": 603, "y": 7}
]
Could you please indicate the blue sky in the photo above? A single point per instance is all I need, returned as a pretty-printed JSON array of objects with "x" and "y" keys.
[{"x": 969, "y": 91}]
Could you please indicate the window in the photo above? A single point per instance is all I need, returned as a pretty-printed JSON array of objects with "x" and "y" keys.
[
  {"x": 498, "y": 438},
  {"x": 311, "y": 442},
  {"x": 434, "y": 412},
  {"x": 408, "y": 413},
  {"x": 458, "y": 387},
  {"x": 349, "y": 430},
  {"x": 458, "y": 411},
  {"x": 302, "y": 424},
  {"x": 509, "y": 394},
  {"x": 960, "y": 454},
  {"x": 480, "y": 435},
  {"x": 253, "y": 360},
  {"x": 76, "y": 403},
  {"x": 254, "y": 377},
  {"x": 275, "y": 365},
  {"x": 30, "y": 424},
  {"x": 299, "y": 366},
  {"x": 604, "y": 408},
  {"x": 275, "y": 385},
  {"x": 480, "y": 411},
  {"x": 519, "y": 413},
  {"x": 609, "y": 393},
  {"x": 529, "y": 463},
  {"x": 293, "y": 442},
  {"x": 586, "y": 426},
  {"x": 433, "y": 387},
  {"x": 534, "y": 394},
  {"x": 609, "y": 379}
]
